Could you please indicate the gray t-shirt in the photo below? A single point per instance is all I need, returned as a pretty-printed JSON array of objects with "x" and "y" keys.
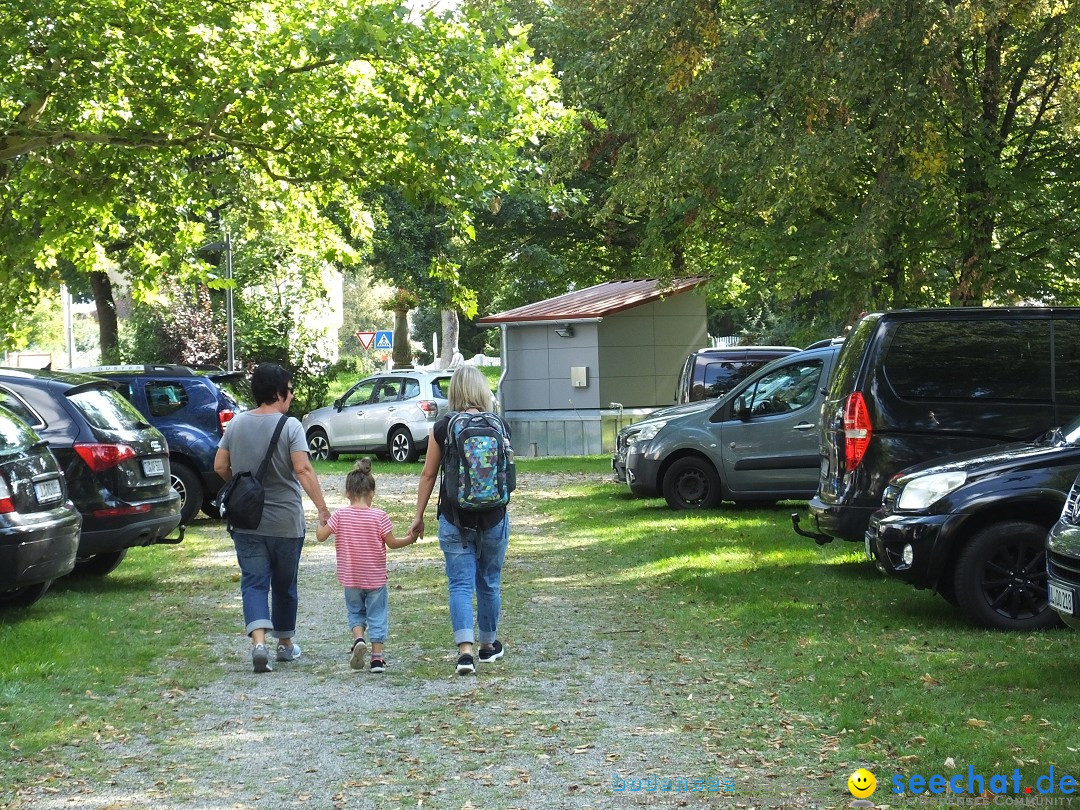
[{"x": 246, "y": 438}]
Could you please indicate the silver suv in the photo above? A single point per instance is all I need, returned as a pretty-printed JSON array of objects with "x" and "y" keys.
[{"x": 388, "y": 414}]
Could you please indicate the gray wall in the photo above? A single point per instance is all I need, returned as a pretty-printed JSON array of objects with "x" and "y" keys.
[
  {"x": 642, "y": 350},
  {"x": 538, "y": 363}
]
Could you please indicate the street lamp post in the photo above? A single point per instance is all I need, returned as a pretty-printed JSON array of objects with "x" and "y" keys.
[
  {"x": 230, "y": 329},
  {"x": 230, "y": 332}
]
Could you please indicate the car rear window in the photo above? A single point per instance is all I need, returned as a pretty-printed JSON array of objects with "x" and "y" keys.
[
  {"x": 237, "y": 390},
  {"x": 105, "y": 409},
  {"x": 968, "y": 359},
  {"x": 15, "y": 436}
]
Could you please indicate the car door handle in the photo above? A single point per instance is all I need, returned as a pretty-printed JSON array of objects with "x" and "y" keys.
[{"x": 803, "y": 426}]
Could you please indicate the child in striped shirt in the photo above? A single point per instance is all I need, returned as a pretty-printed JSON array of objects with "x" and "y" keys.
[{"x": 362, "y": 534}]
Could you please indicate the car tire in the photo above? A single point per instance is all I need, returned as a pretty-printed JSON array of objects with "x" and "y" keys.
[
  {"x": 187, "y": 482},
  {"x": 100, "y": 564},
  {"x": 692, "y": 483},
  {"x": 24, "y": 596},
  {"x": 402, "y": 447},
  {"x": 1000, "y": 578},
  {"x": 319, "y": 446}
]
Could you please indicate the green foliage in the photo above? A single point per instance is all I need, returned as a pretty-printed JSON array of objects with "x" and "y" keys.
[
  {"x": 129, "y": 131},
  {"x": 184, "y": 328},
  {"x": 362, "y": 312},
  {"x": 892, "y": 154}
]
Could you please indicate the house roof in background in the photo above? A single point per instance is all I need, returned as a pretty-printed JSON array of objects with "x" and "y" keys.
[{"x": 595, "y": 302}]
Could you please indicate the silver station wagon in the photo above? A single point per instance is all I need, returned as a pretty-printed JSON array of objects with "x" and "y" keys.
[{"x": 388, "y": 414}]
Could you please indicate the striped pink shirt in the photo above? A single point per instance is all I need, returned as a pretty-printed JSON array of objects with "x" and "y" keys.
[{"x": 361, "y": 552}]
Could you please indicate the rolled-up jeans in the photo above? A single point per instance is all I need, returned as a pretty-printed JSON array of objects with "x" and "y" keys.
[
  {"x": 474, "y": 561},
  {"x": 268, "y": 573}
]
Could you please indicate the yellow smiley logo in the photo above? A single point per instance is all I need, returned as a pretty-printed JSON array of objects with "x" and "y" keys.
[{"x": 861, "y": 783}]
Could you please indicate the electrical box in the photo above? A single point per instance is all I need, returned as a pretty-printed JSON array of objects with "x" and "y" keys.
[{"x": 579, "y": 376}]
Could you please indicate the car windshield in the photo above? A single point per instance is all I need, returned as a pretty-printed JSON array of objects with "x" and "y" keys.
[
  {"x": 15, "y": 437},
  {"x": 1070, "y": 434}
]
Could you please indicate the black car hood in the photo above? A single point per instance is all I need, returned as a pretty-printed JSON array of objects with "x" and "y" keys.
[{"x": 1005, "y": 457}]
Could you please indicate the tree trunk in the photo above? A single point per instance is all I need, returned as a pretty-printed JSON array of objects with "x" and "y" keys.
[
  {"x": 402, "y": 354},
  {"x": 450, "y": 334},
  {"x": 108, "y": 331}
]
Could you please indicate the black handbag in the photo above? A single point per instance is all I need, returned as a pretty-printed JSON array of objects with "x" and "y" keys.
[{"x": 241, "y": 500}]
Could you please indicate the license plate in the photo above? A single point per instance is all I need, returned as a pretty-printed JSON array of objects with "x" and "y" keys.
[
  {"x": 152, "y": 467},
  {"x": 1061, "y": 599},
  {"x": 47, "y": 491}
]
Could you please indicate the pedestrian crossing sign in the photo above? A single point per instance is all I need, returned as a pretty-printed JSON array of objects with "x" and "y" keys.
[{"x": 384, "y": 340}]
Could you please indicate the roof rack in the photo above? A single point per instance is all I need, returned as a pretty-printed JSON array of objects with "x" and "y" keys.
[{"x": 174, "y": 369}]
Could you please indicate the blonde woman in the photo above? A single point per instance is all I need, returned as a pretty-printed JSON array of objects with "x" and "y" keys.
[{"x": 473, "y": 543}]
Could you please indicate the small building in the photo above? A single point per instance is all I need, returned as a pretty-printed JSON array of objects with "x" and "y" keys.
[{"x": 578, "y": 365}]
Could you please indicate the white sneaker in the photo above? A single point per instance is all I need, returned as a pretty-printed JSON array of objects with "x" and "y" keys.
[{"x": 288, "y": 653}]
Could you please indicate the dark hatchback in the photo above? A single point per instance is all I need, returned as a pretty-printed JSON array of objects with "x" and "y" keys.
[
  {"x": 39, "y": 526},
  {"x": 116, "y": 464},
  {"x": 973, "y": 527}
]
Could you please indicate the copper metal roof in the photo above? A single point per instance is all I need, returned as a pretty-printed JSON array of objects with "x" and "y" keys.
[{"x": 595, "y": 302}]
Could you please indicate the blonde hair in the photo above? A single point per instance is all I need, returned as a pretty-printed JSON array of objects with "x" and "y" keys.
[
  {"x": 360, "y": 481},
  {"x": 469, "y": 389}
]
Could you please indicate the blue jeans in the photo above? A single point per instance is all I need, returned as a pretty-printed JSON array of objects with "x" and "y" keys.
[
  {"x": 474, "y": 562},
  {"x": 268, "y": 569},
  {"x": 370, "y": 609}
]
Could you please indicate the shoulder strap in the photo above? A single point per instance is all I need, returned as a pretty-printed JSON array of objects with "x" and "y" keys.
[{"x": 270, "y": 449}]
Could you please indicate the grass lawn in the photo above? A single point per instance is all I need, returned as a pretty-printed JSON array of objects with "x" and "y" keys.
[{"x": 801, "y": 651}]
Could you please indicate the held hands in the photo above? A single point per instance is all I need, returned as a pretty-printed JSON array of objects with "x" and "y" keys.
[{"x": 416, "y": 529}]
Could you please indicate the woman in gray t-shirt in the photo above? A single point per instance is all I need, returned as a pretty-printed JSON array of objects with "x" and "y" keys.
[{"x": 269, "y": 555}]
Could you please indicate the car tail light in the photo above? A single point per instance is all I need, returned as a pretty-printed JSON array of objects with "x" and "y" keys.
[
  {"x": 857, "y": 430},
  {"x": 101, "y": 457},
  {"x": 430, "y": 408},
  {"x": 6, "y": 502},
  {"x": 225, "y": 416}
]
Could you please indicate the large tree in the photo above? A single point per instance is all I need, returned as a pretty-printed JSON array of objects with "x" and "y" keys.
[
  {"x": 851, "y": 154},
  {"x": 130, "y": 131}
]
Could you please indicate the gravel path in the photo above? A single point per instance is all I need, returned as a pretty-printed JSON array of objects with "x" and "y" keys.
[{"x": 551, "y": 725}]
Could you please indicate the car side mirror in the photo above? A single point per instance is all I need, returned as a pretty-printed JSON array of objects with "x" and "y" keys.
[
  {"x": 338, "y": 403},
  {"x": 739, "y": 409}
]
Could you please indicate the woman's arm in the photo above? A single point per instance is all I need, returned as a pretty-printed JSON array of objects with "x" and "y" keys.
[
  {"x": 305, "y": 474},
  {"x": 428, "y": 476},
  {"x": 222, "y": 465}
]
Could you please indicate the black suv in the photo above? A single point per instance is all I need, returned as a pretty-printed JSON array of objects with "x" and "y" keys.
[
  {"x": 115, "y": 463},
  {"x": 191, "y": 407},
  {"x": 973, "y": 527},
  {"x": 39, "y": 526},
  {"x": 914, "y": 385}
]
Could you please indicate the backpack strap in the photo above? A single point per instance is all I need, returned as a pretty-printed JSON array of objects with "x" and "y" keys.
[{"x": 270, "y": 449}]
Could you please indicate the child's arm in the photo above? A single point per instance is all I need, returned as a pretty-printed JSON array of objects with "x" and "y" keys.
[
  {"x": 399, "y": 542},
  {"x": 323, "y": 531}
]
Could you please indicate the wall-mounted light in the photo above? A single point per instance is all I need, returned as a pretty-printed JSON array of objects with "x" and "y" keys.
[{"x": 566, "y": 331}]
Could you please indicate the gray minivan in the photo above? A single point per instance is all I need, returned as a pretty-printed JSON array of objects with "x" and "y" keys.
[{"x": 758, "y": 442}]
